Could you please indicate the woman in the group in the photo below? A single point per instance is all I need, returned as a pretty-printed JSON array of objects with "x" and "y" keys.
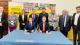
[
  {"x": 43, "y": 26},
  {"x": 12, "y": 21},
  {"x": 30, "y": 26}
]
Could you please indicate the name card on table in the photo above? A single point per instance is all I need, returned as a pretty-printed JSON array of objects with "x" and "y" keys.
[{"x": 24, "y": 40}]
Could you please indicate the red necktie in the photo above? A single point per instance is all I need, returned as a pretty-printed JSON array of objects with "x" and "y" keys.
[{"x": 44, "y": 27}]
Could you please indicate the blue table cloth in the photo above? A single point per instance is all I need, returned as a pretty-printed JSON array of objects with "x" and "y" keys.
[{"x": 18, "y": 37}]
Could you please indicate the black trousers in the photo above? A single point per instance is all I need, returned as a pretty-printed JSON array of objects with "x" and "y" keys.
[
  {"x": 78, "y": 37},
  {"x": 75, "y": 33},
  {"x": 64, "y": 31},
  {"x": 74, "y": 37},
  {"x": 1, "y": 33},
  {"x": 22, "y": 27},
  {"x": 51, "y": 28}
]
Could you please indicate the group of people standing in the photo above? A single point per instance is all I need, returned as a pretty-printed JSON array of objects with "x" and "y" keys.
[
  {"x": 66, "y": 22},
  {"x": 44, "y": 22}
]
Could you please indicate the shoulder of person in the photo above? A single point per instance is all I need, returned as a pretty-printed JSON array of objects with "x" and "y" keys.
[
  {"x": 61, "y": 16},
  {"x": 69, "y": 16},
  {"x": 74, "y": 14},
  {"x": 40, "y": 13},
  {"x": 46, "y": 13},
  {"x": 20, "y": 15},
  {"x": 30, "y": 15},
  {"x": 36, "y": 14},
  {"x": 3, "y": 13}
]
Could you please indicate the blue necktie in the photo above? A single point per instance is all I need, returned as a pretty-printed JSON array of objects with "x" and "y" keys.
[{"x": 63, "y": 20}]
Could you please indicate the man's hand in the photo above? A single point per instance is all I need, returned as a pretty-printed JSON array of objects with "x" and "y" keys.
[
  {"x": 32, "y": 31},
  {"x": 23, "y": 23},
  {"x": 58, "y": 29},
  {"x": 12, "y": 22},
  {"x": 47, "y": 32},
  {"x": 39, "y": 30},
  {"x": 0, "y": 24}
]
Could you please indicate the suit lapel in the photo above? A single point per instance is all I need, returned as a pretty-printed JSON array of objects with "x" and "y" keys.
[
  {"x": 74, "y": 16},
  {"x": 78, "y": 20},
  {"x": 67, "y": 18}
]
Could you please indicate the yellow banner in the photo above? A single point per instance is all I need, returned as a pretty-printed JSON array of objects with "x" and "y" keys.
[{"x": 16, "y": 9}]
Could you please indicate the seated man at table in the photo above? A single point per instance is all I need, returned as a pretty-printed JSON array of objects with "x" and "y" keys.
[
  {"x": 30, "y": 26},
  {"x": 44, "y": 26}
]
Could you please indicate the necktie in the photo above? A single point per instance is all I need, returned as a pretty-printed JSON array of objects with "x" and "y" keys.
[
  {"x": 44, "y": 27},
  {"x": 33, "y": 17},
  {"x": 64, "y": 21},
  {"x": 0, "y": 22}
]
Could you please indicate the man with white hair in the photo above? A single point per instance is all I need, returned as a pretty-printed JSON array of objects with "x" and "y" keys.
[
  {"x": 65, "y": 22},
  {"x": 2, "y": 19}
]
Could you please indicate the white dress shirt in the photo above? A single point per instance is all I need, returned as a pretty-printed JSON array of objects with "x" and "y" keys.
[
  {"x": 23, "y": 17},
  {"x": 0, "y": 19},
  {"x": 0, "y": 16},
  {"x": 76, "y": 19},
  {"x": 65, "y": 21}
]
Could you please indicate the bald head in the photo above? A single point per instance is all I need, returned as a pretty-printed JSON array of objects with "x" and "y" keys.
[{"x": 64, "y": 12}]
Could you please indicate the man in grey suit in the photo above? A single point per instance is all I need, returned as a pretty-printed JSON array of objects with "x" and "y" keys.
[{"x": 65, "y": 22}]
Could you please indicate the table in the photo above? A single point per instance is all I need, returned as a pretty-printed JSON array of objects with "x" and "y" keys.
[{"x": 18, "y": 37}]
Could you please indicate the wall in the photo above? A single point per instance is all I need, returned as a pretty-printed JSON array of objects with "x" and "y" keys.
[{"x": 60, "y": 4}]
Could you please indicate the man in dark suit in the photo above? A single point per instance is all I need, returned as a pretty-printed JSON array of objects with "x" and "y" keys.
[
  {"x": 65, "y": 22},
  {"x": 30, "y": 26},
  {"x": 76, "y": 25},
  {"x": 23, "y": 20},
  {"x": 43, "y": 14},
  {"x": 34, "y": 17},
  {"x": 44, "y": 26},
  {"x": 2, "y": 22}
]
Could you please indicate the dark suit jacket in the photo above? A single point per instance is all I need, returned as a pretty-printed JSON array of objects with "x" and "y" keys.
[
  {"x": 3, "y": 22},
  {"x": 21, "y": 20},
  {"x": 40, "y": 17},
  {"x": 41, "y": 26},
  {"x": 78, "y": 23},
  {"x": 68, "y": 22},
  {"x": 29, "y": 26},
  {"x": 35, "y": 20}
]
